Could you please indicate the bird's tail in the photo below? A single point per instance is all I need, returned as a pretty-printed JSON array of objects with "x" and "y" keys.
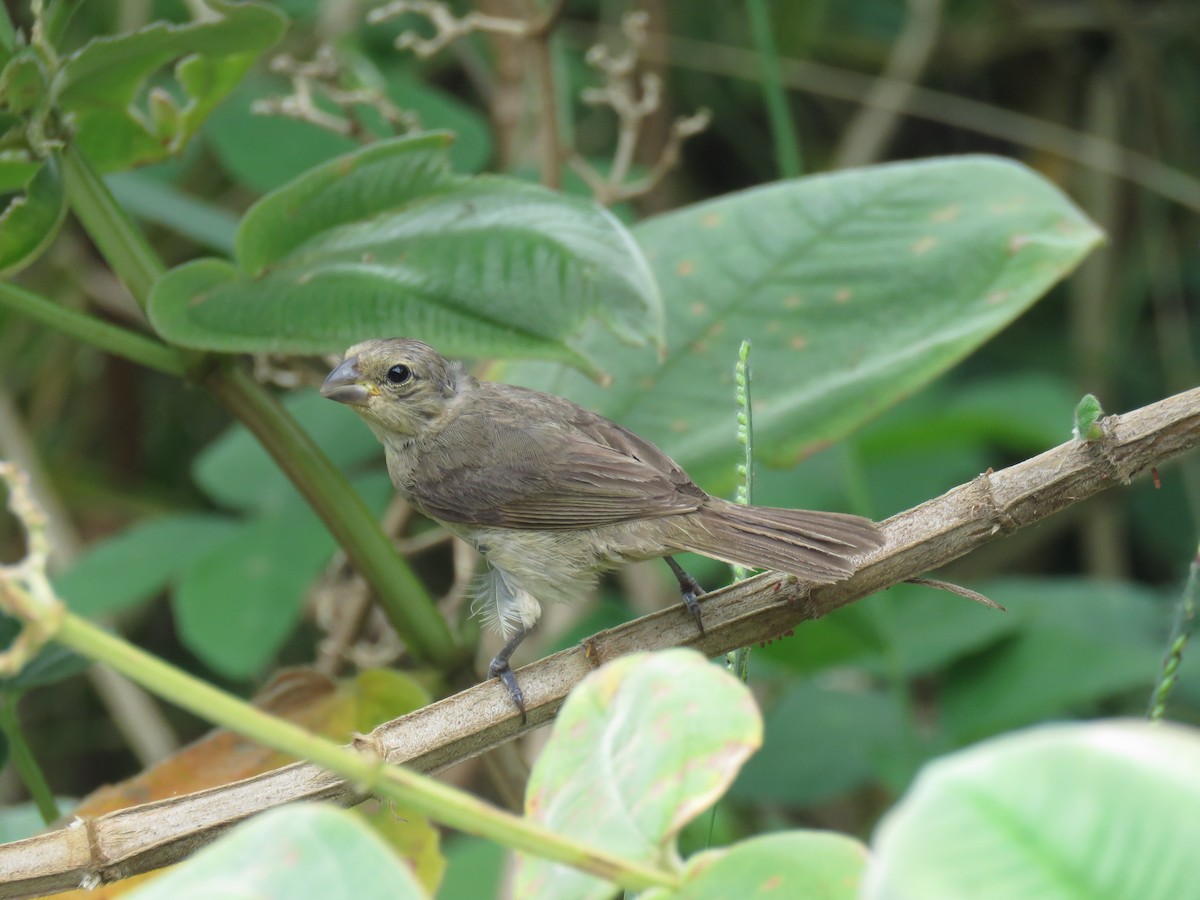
[{"x": 813, "y": 546}]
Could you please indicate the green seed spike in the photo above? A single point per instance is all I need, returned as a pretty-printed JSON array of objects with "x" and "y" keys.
[
  {"x": 1087, "y": 419},
  {"x": 739, "y": 661}
]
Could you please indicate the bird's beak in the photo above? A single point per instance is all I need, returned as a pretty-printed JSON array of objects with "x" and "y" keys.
[{"x": 344, "y": 384}]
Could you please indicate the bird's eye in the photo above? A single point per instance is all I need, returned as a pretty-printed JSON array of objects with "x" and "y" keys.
[{"x": 398, "y": 374}]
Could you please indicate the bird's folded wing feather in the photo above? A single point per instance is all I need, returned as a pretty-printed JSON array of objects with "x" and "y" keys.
[{"x": 574, "y": 471}]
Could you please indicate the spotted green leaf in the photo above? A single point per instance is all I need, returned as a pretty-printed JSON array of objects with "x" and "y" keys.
[
  {"x": 856, "y": 289},
  {"x": 789, "y": 864},
  {"x": 641, "y": 747}
]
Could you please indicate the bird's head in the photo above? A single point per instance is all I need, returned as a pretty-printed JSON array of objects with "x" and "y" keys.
[{"x": 399, "y": 386}]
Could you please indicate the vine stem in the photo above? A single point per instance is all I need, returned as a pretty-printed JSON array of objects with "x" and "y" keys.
[
  {"x": 91, "y": 330},
  {"x": 368, "y": 773},
  {"x": 116, "y": 235}
]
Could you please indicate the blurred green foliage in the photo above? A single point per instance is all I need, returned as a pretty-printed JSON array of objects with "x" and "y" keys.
[{"x": 188, "y": 521}]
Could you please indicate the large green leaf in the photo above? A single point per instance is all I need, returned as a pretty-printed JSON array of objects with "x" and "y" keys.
[
  {"x": 236, "y": 603},
  {"x": 1107, "y": 635},
  {"x": 32, "y": 216},
  {"x": 300, "y": 850},
  {"x": 235, "y": 470},
  {"x": 387, "y": 240},
  {"x": 100, "y": 86},
  {"x": 1100, "y": 810},
  {"x": 845, "y": 734},
  {"x": 139, "y": 562},
  {"x": 855, "y": 288},
  {"x": 641, "y": 747}
]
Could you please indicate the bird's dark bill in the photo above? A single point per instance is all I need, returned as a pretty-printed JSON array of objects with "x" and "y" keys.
[{"x": 344, "y": 384}]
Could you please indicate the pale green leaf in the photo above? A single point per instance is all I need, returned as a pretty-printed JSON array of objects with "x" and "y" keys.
[
  {"x": 1064, "y": 811},
  {"x": 640, "y": 748},
  {"x": 800, "y": 864},
  {"x": 299, "y": 850}
]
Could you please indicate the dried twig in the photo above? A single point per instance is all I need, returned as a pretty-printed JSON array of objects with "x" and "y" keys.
[
  {"x": 325, "y": 75},
  {"x": 921, "y": 539},
  {"x": 447, "y": 27},
  {"x": 25, "y": 589},
  {"x": 633, "y": 99},
  {"x": 535, "y": 31},
  {"x": 1095, "y": 152}
]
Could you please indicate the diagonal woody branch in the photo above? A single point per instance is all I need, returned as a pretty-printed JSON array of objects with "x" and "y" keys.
[{"x": 926, "y": 537}]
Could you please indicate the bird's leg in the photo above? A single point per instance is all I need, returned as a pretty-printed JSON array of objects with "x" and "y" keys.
[
  {"x": 689, "y": 589},
  {"x": 499, "y": 668}
]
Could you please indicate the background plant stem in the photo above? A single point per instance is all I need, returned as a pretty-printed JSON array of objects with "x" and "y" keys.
[
  {"x": 783, "y": 128},
  {"x": 408, "y": 605},
  {"x": 24, "y": 761},
  {"x": 120, "y": 241}
]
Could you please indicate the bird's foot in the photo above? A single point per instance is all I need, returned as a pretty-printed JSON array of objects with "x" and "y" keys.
[
  {"x": 689, "y": 590},
  {"x": 499, "y": 668}
]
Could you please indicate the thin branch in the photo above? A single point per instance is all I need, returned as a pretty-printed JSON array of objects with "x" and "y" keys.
[{"x": 921, "y": 539}]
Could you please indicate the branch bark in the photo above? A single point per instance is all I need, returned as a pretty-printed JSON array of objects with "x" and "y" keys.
[{"x": 926, "y": 537}]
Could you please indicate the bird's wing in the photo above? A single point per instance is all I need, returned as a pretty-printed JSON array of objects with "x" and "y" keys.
[{"x": 564, "y": 469}]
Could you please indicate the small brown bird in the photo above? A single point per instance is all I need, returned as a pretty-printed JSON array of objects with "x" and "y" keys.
[{"x": 552, "y": 494}]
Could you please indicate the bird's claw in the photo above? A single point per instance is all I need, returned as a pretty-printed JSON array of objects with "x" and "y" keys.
[
  {"x": 691, "y": 601},
  {"x": 500, "y": 668}
]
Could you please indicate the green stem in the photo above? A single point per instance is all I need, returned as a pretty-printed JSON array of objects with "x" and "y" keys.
[
  {"x": 434, "y": 799},
  {"x": 405, "y": 600},
  {"x": 1185, "y": 623},
  {"x": 783, "y": 128},
  {"x": 24, "y": 761},
  {"x": 110, "y": 227},
  {"x": 739, "y": 661},
  {"x": 87, "y": 328}
]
